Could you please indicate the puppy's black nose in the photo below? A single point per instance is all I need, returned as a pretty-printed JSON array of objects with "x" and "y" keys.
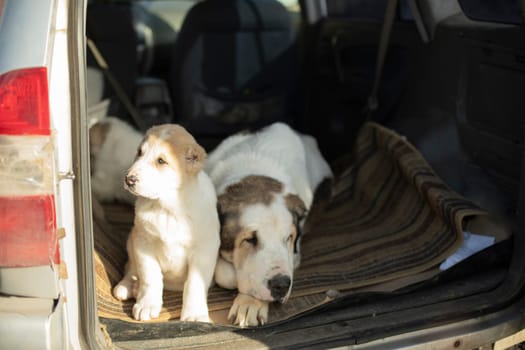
[
  {"x": 279, "y": 285},
  {"x": 131, "y": 180}
]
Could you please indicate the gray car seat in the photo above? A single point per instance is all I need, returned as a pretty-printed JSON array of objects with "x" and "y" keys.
[{"x": 233, "y": 66}]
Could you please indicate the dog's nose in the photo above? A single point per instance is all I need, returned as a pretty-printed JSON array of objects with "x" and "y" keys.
[
  {"x": 279, "y": 285},
  {"x": 131, "y": 180}
]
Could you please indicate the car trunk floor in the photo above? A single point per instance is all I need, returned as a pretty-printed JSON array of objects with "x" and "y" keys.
[{"x": 384, "y": 223}]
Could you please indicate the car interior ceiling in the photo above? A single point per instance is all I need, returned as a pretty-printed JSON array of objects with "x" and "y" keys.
[{"x": 457, "y": 98}]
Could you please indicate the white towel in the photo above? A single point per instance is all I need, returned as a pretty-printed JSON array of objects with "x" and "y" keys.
[{"x": 472, "y": 243}]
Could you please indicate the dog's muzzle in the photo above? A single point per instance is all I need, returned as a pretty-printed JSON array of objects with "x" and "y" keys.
[
  {"x": 131, "y": 180},
  {"x": 279, "y": 286}
]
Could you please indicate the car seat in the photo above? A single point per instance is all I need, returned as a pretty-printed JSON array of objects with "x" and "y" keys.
[
  {"x": 233, "y": 66},
  {"x": 142, "y": 101}
]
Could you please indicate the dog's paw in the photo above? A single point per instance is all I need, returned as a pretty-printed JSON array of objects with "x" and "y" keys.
[
  {"x": 123, "y": 291},
  {"x": 195, "y": 311},
  {"x": 195, "y": 318},
  {"x": 145, "y": 309},
  {"x": 248, "y": 311}
]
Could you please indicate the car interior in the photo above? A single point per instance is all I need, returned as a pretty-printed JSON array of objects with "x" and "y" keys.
[{"x": 448, "y": 104}]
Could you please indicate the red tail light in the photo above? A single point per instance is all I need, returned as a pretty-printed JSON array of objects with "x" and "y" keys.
[
  {"x": 27, "y": 202},
  {"x": 24, "y": 102},
  {"x": 28, "y": 231}
]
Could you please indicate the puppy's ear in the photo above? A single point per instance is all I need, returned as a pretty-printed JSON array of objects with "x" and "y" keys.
[
  {"x": 227, "y": 255},
  {"x": 97, "y": 136},
  {"x": 194, "y": 158},
  {"x": 296, "y": 206}
]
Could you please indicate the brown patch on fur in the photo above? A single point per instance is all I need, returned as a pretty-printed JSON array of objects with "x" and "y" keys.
[
  {"x": 250, "y": 190},
  {"x": 97, "y": 136},
  {"x": 243, "y": 249},
  {"x": 295, "y": 205},
  {"x": 230, "y": 228},
  {"x": 181, "y": 146}
]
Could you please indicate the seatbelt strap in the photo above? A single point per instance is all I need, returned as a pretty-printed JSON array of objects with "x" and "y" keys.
[
  {"x": 121, "y": 94},
  {"x": 416, "y": 15},
  {"x": 390, "y": 12}
]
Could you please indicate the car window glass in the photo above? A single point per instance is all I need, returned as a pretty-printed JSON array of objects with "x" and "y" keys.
[
  {"x": 365, "y": 9},
  {"x": 504, "y": 11}
]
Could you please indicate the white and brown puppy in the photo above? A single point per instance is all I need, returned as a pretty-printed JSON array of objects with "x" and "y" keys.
[
  {"x": 265, "y": 183},
  {"x": 112, "y": 147},
  {"x": 175, "y": 240}
]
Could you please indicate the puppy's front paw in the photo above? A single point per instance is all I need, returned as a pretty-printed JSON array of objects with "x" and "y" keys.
[
  {"x": 124, "y": 290},
  {"x": 195, "y": 311},
  {"x": 145, "y": 309},
  {"x": 195, "y": 318},
  {"x": 248, "y": 311}
]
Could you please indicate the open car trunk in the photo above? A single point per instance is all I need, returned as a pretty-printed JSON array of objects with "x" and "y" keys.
[
  {"x": 437, "y": 166},
  {"x": 377, "y": 236}
]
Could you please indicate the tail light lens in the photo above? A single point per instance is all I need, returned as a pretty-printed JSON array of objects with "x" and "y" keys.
[
  {"x": 27, "y": 231},
  {"x": 24, "y": 102},
  {"x": 27, "y": 171}
]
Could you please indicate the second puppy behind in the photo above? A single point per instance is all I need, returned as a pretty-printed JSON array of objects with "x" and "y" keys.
[
  {"x": 175, "y": 240},
  {"x": 112, "y": 147}
]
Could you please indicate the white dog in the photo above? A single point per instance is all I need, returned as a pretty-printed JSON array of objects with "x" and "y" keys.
[
  {"x": 113, "y": 145},
  {"x": 175, "y": 240},
  {"x": 265, "y": 184}
]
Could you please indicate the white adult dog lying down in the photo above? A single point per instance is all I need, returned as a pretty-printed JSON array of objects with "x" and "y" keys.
[
  {"x": 265, "y": 183},
  {"x": 174, "y": 241}
]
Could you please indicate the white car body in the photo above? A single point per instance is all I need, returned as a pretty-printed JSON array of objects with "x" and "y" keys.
[{"x": 53, "y": 306}]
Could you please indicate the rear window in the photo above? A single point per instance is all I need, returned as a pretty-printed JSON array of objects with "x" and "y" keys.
[
  {"x": 365, "y": 9},
  {"x": 503, "y": 11},
  {"x": 356, "y": 9}
]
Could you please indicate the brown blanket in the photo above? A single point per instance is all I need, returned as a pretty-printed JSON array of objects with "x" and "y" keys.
[{"x": 388, "y": 218}]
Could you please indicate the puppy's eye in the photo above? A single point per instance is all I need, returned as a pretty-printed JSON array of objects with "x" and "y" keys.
[
  {"x": 253, "y": 239},
  {"x": 290, "y": 238},
  {"x": 139, "y": 153},
  {"x": 161, "y": 161}
]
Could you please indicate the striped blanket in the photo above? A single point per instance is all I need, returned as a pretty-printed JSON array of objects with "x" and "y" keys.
[{"x": 387, "y": 217}]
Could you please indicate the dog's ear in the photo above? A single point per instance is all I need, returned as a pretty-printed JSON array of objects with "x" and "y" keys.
[
  {"x": 194, "y": 157},
  {"x": 296, "y": 206},
  {"x": 97, "y": 136},
  {"x": 298, "y": 209},
  {"x": 227, "y": 255},
  {"x": 229, "y": 220}
]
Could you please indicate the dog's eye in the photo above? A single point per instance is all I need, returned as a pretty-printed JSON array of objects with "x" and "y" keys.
[
  {"x": 139, "y": 152},
  {"x": 253, "y": 239},
  {"x": 290, "y": 237},
  {"x": 161, "y": 161}
]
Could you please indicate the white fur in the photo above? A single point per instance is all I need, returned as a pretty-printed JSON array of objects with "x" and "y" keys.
[
  {"x": 175, "y": 238},
  {"x": 276, "y": 151},
  {"x": 276, "y": 257},
  {"x": 112, "y": 160},
  {"x": 294, "y": 160}
]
